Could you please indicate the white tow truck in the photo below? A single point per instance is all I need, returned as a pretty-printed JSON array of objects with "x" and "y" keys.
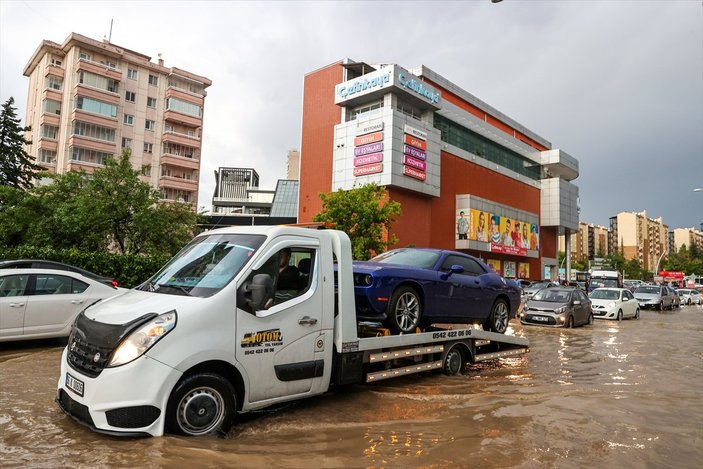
[{"x": 216, "y": 332}]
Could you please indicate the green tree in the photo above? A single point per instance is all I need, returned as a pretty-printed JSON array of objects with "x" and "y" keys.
[
  {"x": 17, "y": 168},
  {"x": 633, "y": 269},
  {"x": 365, "y": 214}
]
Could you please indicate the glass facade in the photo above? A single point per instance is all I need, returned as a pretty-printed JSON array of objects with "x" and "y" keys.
[
  {"x": 96, "y": 107},
  {"x": 184, "y": 107},
  {"x": 285, "y": 202},
  {"x": 455, "y": 134},
  {"x": 97, "y": 81},
  {"x": 86, "y": 155},
  {"x": 93, "y": 131}
]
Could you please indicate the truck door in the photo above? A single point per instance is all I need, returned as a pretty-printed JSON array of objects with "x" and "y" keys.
[
  {"x": 13, "y": 303},
  {"x": 281, "y": 346}
]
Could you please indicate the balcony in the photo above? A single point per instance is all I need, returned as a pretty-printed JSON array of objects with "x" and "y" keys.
[
  {"x": 178, "y": 117},
  {"x": 47, "y": 144},
  {"x": 50, "y": 119},
  {"x": 179, "y": 161},
  {"x": 180, "y": 138},
  {"x": 75, "y": 165},
  {"x": 97, "y": 93},
  {"x": 55, "y": 70},
  {"x": 184, "y": 95},
  {"x": 92, "y": 144},
  {"x": 99, "y": 69},
  {"x": 52, "y": 94},
  {"x": 171, "y": 182},
  {"x": 91, "y": 118}
]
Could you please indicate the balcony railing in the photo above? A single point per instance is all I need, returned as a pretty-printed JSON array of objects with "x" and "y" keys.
[{"x": 181, "y": 134}]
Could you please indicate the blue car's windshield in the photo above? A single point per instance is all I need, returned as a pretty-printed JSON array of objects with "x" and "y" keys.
[
  {"x": 205, "y": 265},
  {"x": 407, "y": 256}
]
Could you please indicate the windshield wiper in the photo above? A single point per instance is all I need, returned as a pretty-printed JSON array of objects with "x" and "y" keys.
[{"x": 183, "y": 289}]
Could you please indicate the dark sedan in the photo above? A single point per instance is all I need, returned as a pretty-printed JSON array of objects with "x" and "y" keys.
[{"x": 409, "y": 288}]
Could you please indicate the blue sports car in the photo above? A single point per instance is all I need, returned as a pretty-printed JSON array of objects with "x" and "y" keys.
[{"x": 409, "y": 288}]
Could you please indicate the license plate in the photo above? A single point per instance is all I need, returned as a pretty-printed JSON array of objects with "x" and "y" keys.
[
  {"x": 74, "y": 384},
  {"x": 540, "y": 318}
]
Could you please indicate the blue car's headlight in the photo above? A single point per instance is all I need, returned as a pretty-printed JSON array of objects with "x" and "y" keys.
[{"x": 363, "y": 280}]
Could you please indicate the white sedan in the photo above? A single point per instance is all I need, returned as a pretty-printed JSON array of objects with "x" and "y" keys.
[
  {"x": 42, "y": 303},
  {"x": 614, "y": 303},
  {"x": 690, "y": 296}
]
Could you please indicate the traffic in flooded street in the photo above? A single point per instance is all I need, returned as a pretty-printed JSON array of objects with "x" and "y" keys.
[{"x": 613, "y": 394}]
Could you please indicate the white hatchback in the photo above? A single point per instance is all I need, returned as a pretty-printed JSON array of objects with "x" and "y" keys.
[
  {"x": 43, "y": 303},
  {"x": 614, "y": 303}
]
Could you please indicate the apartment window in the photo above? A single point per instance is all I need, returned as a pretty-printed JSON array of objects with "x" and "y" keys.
[
  {"x": 96, "y": 107},
  {"x": 146, "y": 170},
  {"x": 130, "y": 96},
  {"x": 184, "y": 107},
  {"x": 148, "y": 147},
  {"x": 97, "y": 81},
  {"x": 126, "y": 142},
  {"x": 86, "y": 155},
  {"x": 153, "y": 80},
  {"x": 366, "y": 111},
  {"x": 150, "y": 125},
  {"x": 56, "y": 62},
  {"x": 47, "y": 156},
  {"x": 97, "y": 132},
  {"x": 49, "y": 106},
  {"x": 408, "y": 110},
  {"x": 109, "y": 64},
  {"x": 133, "y": 74},
  {"x": 151, "y": 102},
  {"x": 54, "y": 83},
  {"x": 128, "y": 119},
  {"x": 168, "y": 128},
  {"x": 84, "y": 56},
  {"x": 49, "y": 131},
  {"x": 180, "y": 150}
]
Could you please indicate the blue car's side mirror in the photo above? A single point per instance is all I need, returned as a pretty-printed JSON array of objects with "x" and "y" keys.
[{"x": 456, "y": 269}]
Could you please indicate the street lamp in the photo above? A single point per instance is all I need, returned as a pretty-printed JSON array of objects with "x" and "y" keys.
[{"x": 656, "y": 271}]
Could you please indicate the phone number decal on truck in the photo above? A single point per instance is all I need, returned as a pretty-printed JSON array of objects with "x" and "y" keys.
[{"x": 451, "y": 334}]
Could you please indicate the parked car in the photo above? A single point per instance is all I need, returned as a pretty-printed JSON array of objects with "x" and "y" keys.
[
  {"x": 632, "y": 284},
  {"x": 44, "y": 264},
  {"x": 558, "y": 307},
  {"x": 690, "y": 296},
  {"x": 407, "y": 288},
  {"x": 42, "y": 303},
  {"x": 654, "y": 296},
  {"x": 537, "y": 286},
  {"x": 614, "y": 303}
]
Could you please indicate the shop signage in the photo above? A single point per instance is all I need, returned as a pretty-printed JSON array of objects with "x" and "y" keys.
[
  {"x": 418, "y": 87},
  {"x": 415, "y": 142},
  {"x": 417, "y": 164},
  {"x": 368, "y": 169},
  {"x": 414, "y": 152},
  {"x": 364, "y": 84},
  {"x": 367, "y": 129},
  {"x": 368, "y": 159},
  {"x": 415, "y": 132},
  {"x": 368, "y": 149},
  {"x": 414, "y": 173},
  {"x": 368, "y": 138},
  {"x": 515, "y": 251}
]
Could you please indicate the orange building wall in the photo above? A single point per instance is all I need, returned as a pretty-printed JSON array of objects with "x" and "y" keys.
[{"x": 320, "y": 115}]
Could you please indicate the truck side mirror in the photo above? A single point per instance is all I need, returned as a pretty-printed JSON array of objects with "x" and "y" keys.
[{"x": 258, "y": 292}]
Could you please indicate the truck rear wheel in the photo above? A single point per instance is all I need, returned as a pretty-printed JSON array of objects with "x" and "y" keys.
[
  {"x": 404, "y": 311},
  {"x": 201, "y": 404},
  {"x": 453, "y": 361}
]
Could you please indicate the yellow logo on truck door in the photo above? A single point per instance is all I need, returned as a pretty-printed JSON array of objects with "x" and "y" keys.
[{"x": 264, "y": 341}]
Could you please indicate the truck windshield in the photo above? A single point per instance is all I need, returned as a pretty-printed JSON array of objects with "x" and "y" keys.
[
  {"x": 604, "y": 282},
  {"x": 205, "y": 265}
]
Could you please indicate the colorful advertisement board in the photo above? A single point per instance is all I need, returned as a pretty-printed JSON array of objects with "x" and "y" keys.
[
  {"x": 509, "y": 269},
  {"x": 523, "y": 270},
  {"x": 495, "y": 265}
]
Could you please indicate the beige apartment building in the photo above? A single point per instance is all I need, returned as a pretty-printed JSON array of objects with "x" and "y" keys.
[
  {"x": 686, "y": 236},
  {"x": 640, "y": 237},
  {"x": 588, "y": 243},
  {"x": 89, "y": 99}
]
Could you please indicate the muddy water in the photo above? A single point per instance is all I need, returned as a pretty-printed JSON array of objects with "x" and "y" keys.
[{"x": 615, "y": 394}]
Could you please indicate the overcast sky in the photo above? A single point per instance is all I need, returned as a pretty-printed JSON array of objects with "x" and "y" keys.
[{"x": 618, "y": 84}]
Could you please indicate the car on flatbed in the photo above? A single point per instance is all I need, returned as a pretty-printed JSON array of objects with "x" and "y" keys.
[{"x": 409, "y": 288}]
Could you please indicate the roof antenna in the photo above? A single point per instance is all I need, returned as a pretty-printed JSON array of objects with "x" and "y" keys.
[{"x": 109, "y": 39}]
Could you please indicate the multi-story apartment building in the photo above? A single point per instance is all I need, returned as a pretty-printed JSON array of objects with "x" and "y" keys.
[
  {"x": 640, "y": 237},
  {"x": 293, "y": 170},
  {"x": 588, "y": 243},
  {"x": 90, "y": 99},
  {"x": 685, "y": 236}
]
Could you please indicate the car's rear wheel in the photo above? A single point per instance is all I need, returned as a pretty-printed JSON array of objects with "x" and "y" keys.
[
  {"x": 590, "y": 319},
  {"x": 453, "y": 361},
  {"x": 498, "y": 319},
  {"x": 637, "y": 313},
  {"x": 620, "y": 315},
  {"x": 404, "y": 311}
]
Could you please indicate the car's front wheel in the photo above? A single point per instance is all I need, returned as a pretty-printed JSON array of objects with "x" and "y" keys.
[
  {"x": 498, "y": 319},
  {"x": 404, "y": 311},
  {"x": 620, "y": 315},
  {"x": 201, "y": 404},
  {"x": 637, "y": 313}
]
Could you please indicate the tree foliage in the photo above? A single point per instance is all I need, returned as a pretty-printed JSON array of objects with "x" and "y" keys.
[
  {"x": 688, "y": 261},
  {"x": 17, "y": 168},
  {"x": 110, "y": 210},
  {"x": 365, "y": 214}
]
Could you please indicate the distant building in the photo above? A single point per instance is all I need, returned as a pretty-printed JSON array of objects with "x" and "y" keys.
[
  {"x": 639, "y": 237},
  {"x": 685, "y": 236},
  {"x": 588, "y": 243},
  {"x": 293, "y": 170},
  {"x": 90, "y": 99}
]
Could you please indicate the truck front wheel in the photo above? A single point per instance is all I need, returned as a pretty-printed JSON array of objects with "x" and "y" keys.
[{"x": 201, "y": 404}]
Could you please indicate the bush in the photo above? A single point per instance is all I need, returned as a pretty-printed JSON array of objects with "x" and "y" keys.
[{"x": 128, "y": 269}]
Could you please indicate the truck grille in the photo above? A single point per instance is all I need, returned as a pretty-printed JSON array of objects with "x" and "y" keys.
[{"x": 87, "y": 358}]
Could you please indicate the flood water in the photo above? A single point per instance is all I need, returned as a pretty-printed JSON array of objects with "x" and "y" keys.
[{"x": 615, "y": 394}]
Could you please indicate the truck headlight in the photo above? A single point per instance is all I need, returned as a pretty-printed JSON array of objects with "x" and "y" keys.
[{"x": 139, "y": 341}]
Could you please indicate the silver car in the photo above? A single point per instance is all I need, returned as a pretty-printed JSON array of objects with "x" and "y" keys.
[
  {"x": 655, "y": 297},
  {"x": 690, "y": 296},
  {"x": 558, "y": 307}
]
